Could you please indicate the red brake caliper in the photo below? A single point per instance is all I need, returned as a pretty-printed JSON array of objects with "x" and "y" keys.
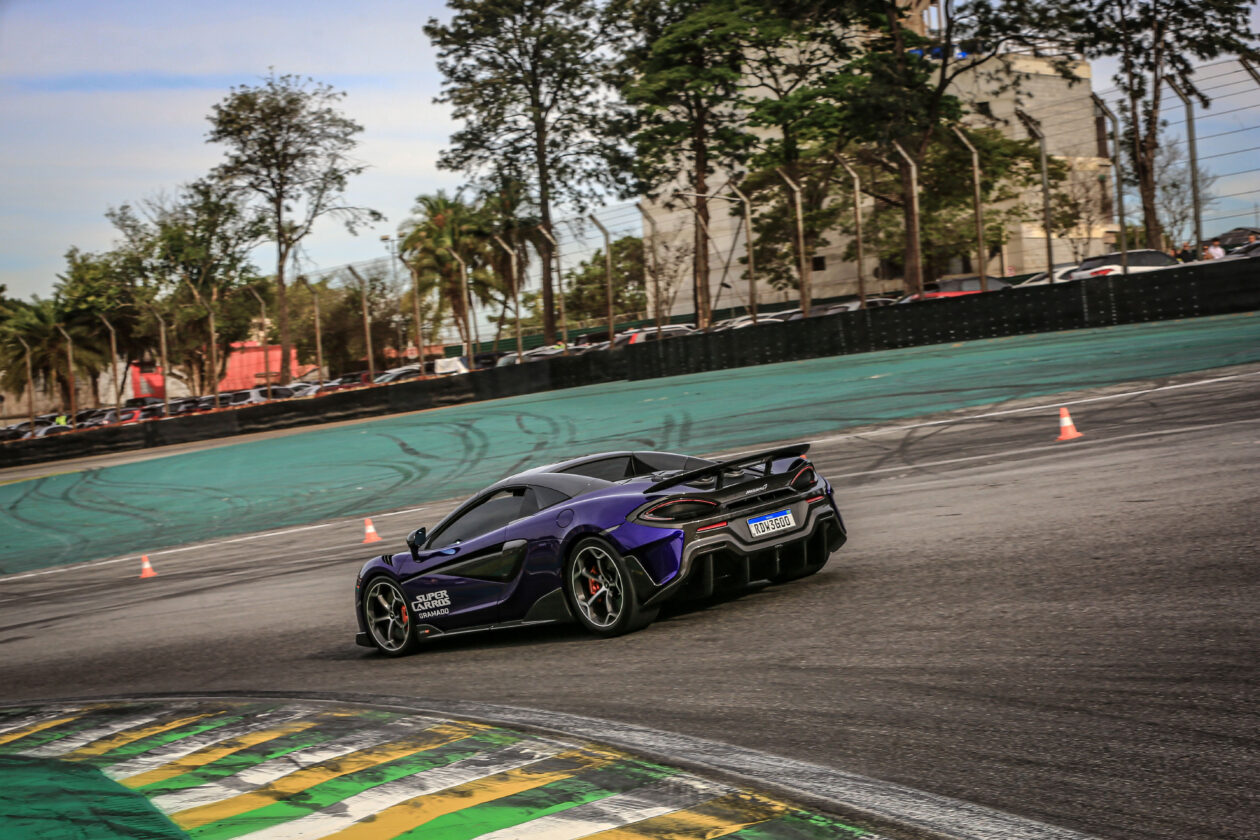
[{"x": 591, "y": 584}]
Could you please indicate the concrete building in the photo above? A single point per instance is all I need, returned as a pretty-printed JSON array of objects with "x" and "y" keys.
[{"x": 1074, "y": 134}]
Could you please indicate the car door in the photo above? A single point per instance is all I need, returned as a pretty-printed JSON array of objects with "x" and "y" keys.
[
  {"x": 470, "y": 565},
  {"x": 536, "y": 594}
]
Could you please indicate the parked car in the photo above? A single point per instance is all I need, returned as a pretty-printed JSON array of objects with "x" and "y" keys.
[
  {"x": 1139, "y": 261},
  {"x": 350, "y": 380},
  {"x": 399, "y": 374},
  {"x": 666, "y": 331},
  {"x": 1062, "y": 274},
  {"x": 1249, "y": 251}
]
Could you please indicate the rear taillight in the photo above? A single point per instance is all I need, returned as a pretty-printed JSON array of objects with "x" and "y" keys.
[
  {"x": 1099, "y": 272},
  {"x": 804, "y": 479},
  {"x": 679, "y": 509}
]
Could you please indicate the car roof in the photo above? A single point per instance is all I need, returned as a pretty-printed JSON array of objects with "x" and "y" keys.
[{"x": 556, "y": 477}]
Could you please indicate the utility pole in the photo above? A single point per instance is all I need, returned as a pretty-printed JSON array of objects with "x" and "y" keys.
[
  {"x": 555, "y": 251},
  {"x": 608, "y": 276},
  {"x": 1118, "y": 168},
  {"x": 516, "y": 296},
  {"x": 1034, "y": 128},
  {"x": 802, "y": 260},
  {"x": 656, "y": 268},
  {"x": 748, "y": 251},
  {"x": 262, "y": 304},
  {"x": 857, "y": 227},
  {"x": 319, "y": 338},
  {"x": 113, "y": 361},
  {"x": 1194, "y": 162},
  {"x": 982, "y": 258},
  {"x": 30, "y": 384}
]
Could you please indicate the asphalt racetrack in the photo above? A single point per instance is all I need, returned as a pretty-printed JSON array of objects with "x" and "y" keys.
[{"x": 1065, "y": 631}]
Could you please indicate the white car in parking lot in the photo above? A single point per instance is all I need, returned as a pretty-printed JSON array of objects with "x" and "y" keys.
[{"x": 1139, "y": 261}]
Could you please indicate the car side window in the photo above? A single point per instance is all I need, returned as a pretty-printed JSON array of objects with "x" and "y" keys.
[{"x": 492, "y": 513}]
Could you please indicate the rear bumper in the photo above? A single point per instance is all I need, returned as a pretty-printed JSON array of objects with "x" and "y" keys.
[{"x": 726, "y": 561}]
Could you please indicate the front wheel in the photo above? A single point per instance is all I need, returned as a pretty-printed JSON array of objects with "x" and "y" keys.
[
  {"x": 388, "y": 620},
  {"x": 600, "y": 592}
]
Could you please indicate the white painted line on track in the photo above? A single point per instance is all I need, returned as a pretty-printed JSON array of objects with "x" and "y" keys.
[
  {"x": 811, "y": 783},
  {"x": 1076, "y": 444},
  {"x": 255, "y": 777},
  {"x": 30, "y": 720},
  {"x": 176, "y": 750},
  {"x": 368, "y": 804},
  {"x": 831, "y": 439},
  {"x": 69, "y": 743},
  {"x": 1040, "y": 407},
  {"x": 654, "y": 800}
]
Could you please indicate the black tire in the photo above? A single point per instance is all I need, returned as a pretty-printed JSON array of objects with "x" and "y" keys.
[
  {"x": 387, "y": 617},
  {"x": 600, "y": 590}
]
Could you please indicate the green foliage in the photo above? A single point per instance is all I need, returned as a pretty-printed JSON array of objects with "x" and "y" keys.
[
  {"x": 586, "y": 290},
  {"x": 289, "y": 146},
  {"x": 526, "y": 79},
  {"x": 1150, "y": 41}
]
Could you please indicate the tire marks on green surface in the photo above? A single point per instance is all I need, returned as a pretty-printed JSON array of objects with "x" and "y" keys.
[
  {"x": 360, "y": 469},
  {"x": 214, "y": 770}
]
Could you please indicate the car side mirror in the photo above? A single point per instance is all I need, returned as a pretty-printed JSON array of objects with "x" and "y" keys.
[{"x": 414, "y": 540}]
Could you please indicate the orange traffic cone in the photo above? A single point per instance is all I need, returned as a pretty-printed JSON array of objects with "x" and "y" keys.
[
  {"x": 146, "y": 568},
  {"x": 369, "y": 532},
  {"x": 1067, "y": 429}
]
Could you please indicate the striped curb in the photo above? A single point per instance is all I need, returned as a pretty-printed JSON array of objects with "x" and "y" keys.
[{"x": 223, "y": 768}]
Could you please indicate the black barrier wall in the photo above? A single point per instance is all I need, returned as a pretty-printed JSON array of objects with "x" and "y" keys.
[{"x": 1200, "y": 289}]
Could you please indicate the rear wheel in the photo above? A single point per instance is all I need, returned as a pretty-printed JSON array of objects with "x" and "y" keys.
[
  {"x": 387, "y": 617},
  {"x": 601, "y": 595}
]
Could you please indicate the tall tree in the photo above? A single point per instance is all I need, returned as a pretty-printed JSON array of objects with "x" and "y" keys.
[
  {"x": 37, "y": 324},
  {"x": 1152, "y": 40},
  {"x": 526, "y": 79},
  {"x": 907, "y": 73},
  {"x": 289, "y": 145},
  {"x": 443, "y": 223},
  {"x": 682, "y": 71},
  {"x": 202, "y": 241}
]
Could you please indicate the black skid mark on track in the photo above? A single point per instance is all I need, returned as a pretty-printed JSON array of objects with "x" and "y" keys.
[{"x": 407, "y": 449}]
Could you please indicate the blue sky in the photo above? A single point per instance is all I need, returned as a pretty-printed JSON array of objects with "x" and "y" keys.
[{"x": 103, "y": 102}]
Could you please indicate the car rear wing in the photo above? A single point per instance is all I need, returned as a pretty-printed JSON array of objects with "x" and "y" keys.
[{"x": 719, "y": 468}]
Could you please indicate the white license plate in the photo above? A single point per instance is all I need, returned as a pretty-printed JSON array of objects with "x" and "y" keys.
[{"x": 769, "y": 523}]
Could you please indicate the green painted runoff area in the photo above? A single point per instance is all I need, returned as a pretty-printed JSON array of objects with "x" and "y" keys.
[
  {"x": 362, "y": 468},
  {"x": 44, "y": 799}
]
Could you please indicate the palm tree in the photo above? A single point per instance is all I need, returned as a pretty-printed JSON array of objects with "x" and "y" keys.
[
  {"x": 37, "y": 324},
  {"x": 444, "y": 224}
]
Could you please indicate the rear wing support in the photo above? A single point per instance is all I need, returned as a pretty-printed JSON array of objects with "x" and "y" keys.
[{"x": 718, "y": 468}]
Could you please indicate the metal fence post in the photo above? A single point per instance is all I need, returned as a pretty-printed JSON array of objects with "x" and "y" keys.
[
  {"x": 800, "y": 242},
  {"x": 1194, "y": 163},
  {"x": 914, "y": 211},
  {"x": 607, "y": 276},
  {"x": 1118, "y": 166},
  {"x": 70, "y": 360},
  {"x": 564, "y": 319},
  {"x": 319, "y": 338},
  {"x": 656, "y": 268},
  {"x": 857, "y": 227},
  {"x": 30, "y": 383},
  {"x": 1034, "y": 128},
  {"x": 516, "y": 296},
  {"x": 113, "y": 361},
  {"x": 982, "y": 260},
  {"x": 748, "y": 250}
]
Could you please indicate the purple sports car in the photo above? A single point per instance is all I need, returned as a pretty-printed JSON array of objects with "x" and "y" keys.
[{"x": 603, "y": 540}]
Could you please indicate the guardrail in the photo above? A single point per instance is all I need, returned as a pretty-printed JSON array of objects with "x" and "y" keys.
[{"x": 1190, "y": 291}]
